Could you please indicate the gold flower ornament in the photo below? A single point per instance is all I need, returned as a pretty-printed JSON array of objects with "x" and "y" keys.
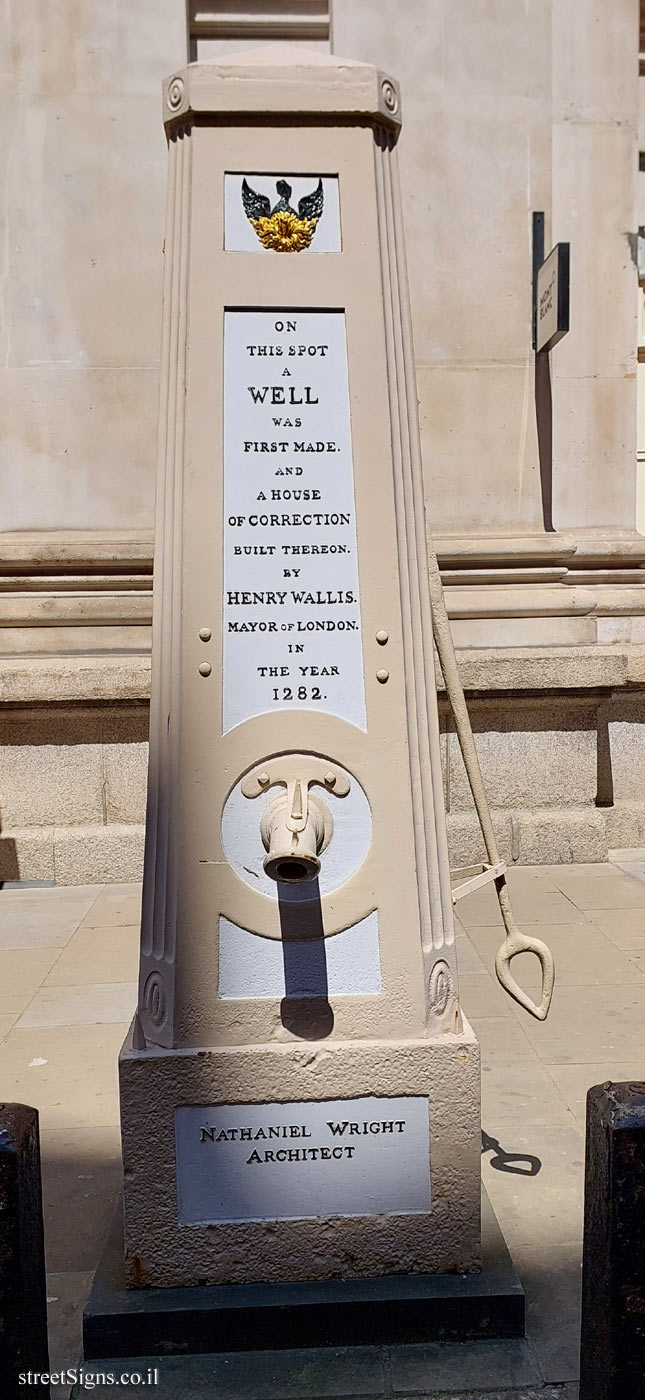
[{"x": 280, "y": 228}]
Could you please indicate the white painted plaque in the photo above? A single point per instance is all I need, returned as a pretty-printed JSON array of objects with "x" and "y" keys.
[
  {"x": 303, "y": 1161},
  {"x": 347, "y": 964},
  {"x": 291, "y": 611}
]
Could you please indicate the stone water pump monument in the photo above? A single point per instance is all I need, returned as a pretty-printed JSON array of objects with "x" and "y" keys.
[{"x": 300, "y": 1090}]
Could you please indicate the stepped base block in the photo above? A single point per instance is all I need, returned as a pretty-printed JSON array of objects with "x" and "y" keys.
[
  {"x": 395, "y": 1192},
  {"x": 119, "y": 1321}
]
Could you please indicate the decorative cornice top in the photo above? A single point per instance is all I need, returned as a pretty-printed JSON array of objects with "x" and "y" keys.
[{"x": 281, "y": 79}]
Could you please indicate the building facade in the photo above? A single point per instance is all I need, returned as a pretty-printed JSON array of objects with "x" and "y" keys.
[{"x": 532, "y": 468}]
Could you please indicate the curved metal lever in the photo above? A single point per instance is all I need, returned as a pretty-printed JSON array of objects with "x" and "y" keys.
[{"x": 516, "y": 942}]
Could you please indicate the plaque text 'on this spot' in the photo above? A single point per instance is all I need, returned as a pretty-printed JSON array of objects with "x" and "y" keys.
[{"x": 291, "y": 607}]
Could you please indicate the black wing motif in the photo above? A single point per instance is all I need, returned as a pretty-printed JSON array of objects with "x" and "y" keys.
[
  {"x": 311, "y": 205},
  {"x": 256, "y": 206}
]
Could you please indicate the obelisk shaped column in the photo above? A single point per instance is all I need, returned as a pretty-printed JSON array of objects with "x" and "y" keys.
[{"x": 298, "y": 974}]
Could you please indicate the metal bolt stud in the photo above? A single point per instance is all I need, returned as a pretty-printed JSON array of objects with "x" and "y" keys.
[
  {"x": 205, "y": 668},
  {"x": 382, "y": 676},
  {"x": 205, "y": 634},
  {"x": 382, "y": 637}
]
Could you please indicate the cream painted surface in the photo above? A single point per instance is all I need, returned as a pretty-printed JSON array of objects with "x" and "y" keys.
[
  {"x": 346, "y": 965},
  {"x": 83, "y": 173},
  {"x": 385, "y": 1008}
]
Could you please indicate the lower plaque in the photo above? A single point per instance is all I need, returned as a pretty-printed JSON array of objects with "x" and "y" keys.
[{"x": 302, "y": 1161}]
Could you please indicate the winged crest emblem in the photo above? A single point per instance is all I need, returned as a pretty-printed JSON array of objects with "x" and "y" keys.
[{"x": 280, "y": 228}]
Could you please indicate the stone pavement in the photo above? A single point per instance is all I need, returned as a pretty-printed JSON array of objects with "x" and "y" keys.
[{"x": 68, "y": 960}]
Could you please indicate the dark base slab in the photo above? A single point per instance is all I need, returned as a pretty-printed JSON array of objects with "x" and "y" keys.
[{"x": 338, "y": 1312}]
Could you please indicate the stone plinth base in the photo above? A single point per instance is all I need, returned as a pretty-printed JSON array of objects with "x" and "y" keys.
[
  {"x": 161, "y": 1252},
  {"x": 365, "y": 1312}
]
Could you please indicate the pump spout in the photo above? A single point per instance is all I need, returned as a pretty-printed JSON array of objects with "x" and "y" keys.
[{"x": 295, "y": 828}]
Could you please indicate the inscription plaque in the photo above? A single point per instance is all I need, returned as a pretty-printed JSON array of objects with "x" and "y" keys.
[
  {"x": 291, "y": 623},
  {"x": 302, "y": 1161}
]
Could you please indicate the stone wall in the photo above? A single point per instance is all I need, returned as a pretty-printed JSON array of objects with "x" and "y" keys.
[{"x": 564, "y": 766}]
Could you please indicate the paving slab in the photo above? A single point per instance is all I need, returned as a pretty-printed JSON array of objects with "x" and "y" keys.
[
  {"x": 552, "y": 1277},
  {"x": 103, "y": 954},
  {"x": 625, "y": 929},
  {"x": 574, "y": 1081},
  {"x": 583, "y": 955},
  {"x": 81, "y": 1005}
]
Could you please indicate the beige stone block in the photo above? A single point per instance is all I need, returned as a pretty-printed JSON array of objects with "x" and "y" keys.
[
  {"x": 61, "y": 678},
  {"x": 86, "y": 200},
  {"x": 594, "y": 79},
  {"x": 550, "y": 668},
  {"x": 566, "y": 836},
  {"x": 77, "y": 640},
  {"x": 594, "y": 434},
  {"x": 475, "y": 429},
  {"x": 153, "y": 1083},
  {"x": 540, "y": 755},
  {"x": 125, "y": 765},
  {"x": 79, "y": 446},
  {"x": 466, "y": 843},
  {"x": 21, "y": 973},
  {"x": 50, "y": 769},
  {"x": 593, "y": 187},
  {"x": 102, "y": 954},
  {"x": 626, "y": 723},
  {"x": 69, "y": 1073},
  {"x": 94, "y": 1004},
  {"x": 98, "y": 854},
  {"x": 448, "y": 144},
  {"x": 625, "y": 824},
  {"x": 474, "y": 59},
  {"x": 574, "y": 1081},
  {"x": 524, "y": 631},
  {"x": 413, "y": 52},
  {"x": 26, "y": 855},
  {"x": 60, "y": 45}
]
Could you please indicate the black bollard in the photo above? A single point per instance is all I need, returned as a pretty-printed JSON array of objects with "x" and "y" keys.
[
  {"x": 612, "y": 1353},
  {"x": 23, "y": 1295}
]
